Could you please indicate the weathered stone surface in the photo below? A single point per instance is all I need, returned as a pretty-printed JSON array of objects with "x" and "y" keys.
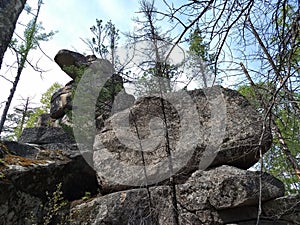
[
  {"x": 132, "y": 208},
  {"x": 51, "y": 167},
  {"x": 239, "y": 145},
  {"x": 45, "y": 135},
  {"x": 12, "y": 206},
  {"x": 122, "y": 101},
  {"x": 286, "y": 208},
  {"x": 24, "y": 183},
  {"x": 106, "y": 96},
  {"x": 59, "y": 146},
  {"x": 280, "y": 211},
  {"x": 3, "y": 149},
  {"x": 16, "y": 148},
  {"x": 111, "y": 96},
  {"x": 45, "y": 120},
  {"x": 197, "y": 200},
  {"x": 117, "y": 102},
  {"x": 61, "y": 101},
  {"x": 70, "y": 62},
  {"x": 227, "y": 187}
]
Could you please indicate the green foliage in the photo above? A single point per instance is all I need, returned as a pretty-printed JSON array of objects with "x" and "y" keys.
[
  {"x": 105, "y": 40},
  {"x": 46, "y": 97},
  {"x": 33, "y": 118},
  {"x": 33, "y": 34},
  {"x": 256, "y": 98},
  {"x": 158, "y": 79},
  {"x": 276, "y": 162},
  {"x": 55, "y": 203},
  {"x": 87, "y": 195},
  {"x": 15, "y": 121},
  {"x": 28, "y": 117},
  {"x": 198, "y": 47},
  {"x": 200, "y": 60},
  {"x": 53, "y": 209},
  {"x": 45, "y": 105},
  {"x": 107, "y": 95},
  {"x": 68, "y": 128}
]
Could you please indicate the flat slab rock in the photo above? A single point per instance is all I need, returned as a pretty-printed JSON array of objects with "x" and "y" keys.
[
  {"x": 203, "y": 199},
  {"x": 16, "y": 148},
  {"x": 206, "y": 128},
  {"x": 69, "y": 60},
  {"x": 45, "y": 135}
]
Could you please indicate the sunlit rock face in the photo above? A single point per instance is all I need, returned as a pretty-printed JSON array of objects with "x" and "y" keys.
[
  {"x": 223, "y": 136},
  {"x": 216, "y": 196},
  {"x": 213, "y": 136}
]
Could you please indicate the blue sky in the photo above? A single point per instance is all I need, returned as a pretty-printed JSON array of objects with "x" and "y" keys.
[{"x": 72, "y": 19}]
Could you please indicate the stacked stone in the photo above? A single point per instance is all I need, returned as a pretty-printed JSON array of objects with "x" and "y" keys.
[
  {"x": 73, "y": 63},
  {"x": 223, "y": 192},
  {"x": 212, "y": 185},
  {"x": 61, "y": 102}
]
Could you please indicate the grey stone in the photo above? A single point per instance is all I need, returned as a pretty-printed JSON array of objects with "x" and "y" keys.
[
  {"x": 111, "y": 97},
  {"x": 231, "y": 139},
  {"x": 227, "y": 187},
  {"x": 196, "y": 200},
  {"x": 70, "y": 62},
  {"x": 286, "y": 208},
  {"x": 24, "y": 183},
  {"x": 61, "y": 101},
  {"x": 44, "y": 120},
  {"x": 20, "y": 149},
  {"x": 12, "y": 202},
  {"x": 45, "y": 135}
]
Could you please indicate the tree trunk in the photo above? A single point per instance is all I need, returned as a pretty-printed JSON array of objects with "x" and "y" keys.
[
  {"x": 21, "y": 64},
  {"x": 9, "y": 14}
]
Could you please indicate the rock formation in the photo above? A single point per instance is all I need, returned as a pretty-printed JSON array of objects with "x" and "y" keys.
[
  {"x": 239, "y": 145},
  {"x": 211, "y": 185},
  {"x": 74, "y": 64}
]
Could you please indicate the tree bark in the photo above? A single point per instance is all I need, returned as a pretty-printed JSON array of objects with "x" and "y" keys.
[{"x": 9, "y": 14}]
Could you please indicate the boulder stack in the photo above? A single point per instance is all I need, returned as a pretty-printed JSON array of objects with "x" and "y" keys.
[{"x": 181, "y": 158}]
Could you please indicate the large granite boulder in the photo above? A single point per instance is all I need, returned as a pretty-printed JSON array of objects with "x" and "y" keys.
[
  {"x": 221, "y": 128},
  {"x": 227, "y": 187},
  {"x": 280, "y": 211},
  {"x": 201, "y": 200},
  {"x": 72, "y": 63}
]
